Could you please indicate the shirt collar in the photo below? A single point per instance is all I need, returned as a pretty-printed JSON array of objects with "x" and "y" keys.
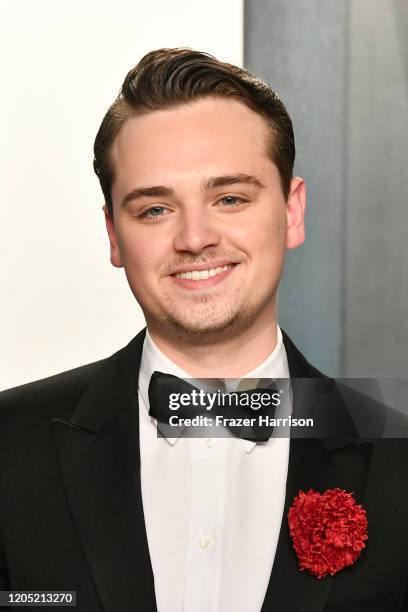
[{"x": 153, "y": 359}]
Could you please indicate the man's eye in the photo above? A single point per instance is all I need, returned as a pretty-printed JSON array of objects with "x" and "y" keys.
[
  {"x": 231, "y": 201},
  {"x": 155, "y": 211}
]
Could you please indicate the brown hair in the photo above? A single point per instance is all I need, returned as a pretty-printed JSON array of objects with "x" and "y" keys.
[{"x": 170, "y": 77}]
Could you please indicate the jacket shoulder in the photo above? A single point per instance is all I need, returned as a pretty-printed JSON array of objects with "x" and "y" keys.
[{"x": 55, "y": 395}]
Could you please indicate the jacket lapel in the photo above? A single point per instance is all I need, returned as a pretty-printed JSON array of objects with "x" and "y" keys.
[
  {"x": 332, "y": 458},
  {"x": 98, "y": 451}
]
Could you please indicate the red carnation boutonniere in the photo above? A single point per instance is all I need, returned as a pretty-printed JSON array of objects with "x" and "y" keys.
[{"x": 328, "y": 531}]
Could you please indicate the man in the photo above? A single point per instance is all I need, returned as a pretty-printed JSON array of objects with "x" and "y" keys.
[{"x": 195, "y": 161}]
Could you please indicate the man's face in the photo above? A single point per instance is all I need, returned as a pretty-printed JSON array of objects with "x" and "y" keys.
[{"x": 200, "y": 220}]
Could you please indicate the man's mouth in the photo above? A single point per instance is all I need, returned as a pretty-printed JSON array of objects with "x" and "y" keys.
[{"x": 197, "y": 275}]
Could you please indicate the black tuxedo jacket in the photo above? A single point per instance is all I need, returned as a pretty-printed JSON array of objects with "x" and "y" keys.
[{"x": 71, "y": 514}]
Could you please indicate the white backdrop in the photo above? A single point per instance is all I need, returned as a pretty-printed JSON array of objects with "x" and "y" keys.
[{"x": 62, "y": 64}]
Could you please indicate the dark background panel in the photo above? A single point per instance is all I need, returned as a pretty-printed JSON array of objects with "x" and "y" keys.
[{"x": 341, "y": 69}]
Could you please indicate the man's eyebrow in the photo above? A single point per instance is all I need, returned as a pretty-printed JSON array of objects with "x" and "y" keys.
[
  {"x": 159, "y": 191},
  {"x": 232, "y": 179}
]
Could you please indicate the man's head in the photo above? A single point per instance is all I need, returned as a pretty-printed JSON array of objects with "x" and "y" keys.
[
  {"x": 195, "y": 160},
  {"x": 167, "y": 78}
]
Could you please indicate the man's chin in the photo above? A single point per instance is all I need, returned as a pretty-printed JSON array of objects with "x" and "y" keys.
[{"x": 208, "y": 331}]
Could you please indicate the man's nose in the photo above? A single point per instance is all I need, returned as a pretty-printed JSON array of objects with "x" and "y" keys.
[{"x": 196, "y": 232}]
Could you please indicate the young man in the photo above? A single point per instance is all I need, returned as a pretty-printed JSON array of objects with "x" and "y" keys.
[{"x": 195, "y": 161}]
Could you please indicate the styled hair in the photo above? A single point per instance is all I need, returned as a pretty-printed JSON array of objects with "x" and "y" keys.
[{"x": 170, "y": 77}]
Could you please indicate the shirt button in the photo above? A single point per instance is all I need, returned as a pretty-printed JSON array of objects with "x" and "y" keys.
[
  {"x": 209, "y": 442},
  {"x": 206, "y": 542}
]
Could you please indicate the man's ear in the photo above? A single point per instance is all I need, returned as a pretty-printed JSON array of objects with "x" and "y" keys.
[
  {"x": 115, "y": 257},
  {"x": 295, "y": 213}
]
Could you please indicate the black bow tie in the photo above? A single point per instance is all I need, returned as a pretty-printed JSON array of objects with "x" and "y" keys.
[{"x": 236, "y": 412}]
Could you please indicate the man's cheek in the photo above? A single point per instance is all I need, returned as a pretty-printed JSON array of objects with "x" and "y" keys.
[{"x": 137, "y": 258}]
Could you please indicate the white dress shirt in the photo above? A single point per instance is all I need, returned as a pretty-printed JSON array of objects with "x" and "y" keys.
[{"x": 213, "y": 507}]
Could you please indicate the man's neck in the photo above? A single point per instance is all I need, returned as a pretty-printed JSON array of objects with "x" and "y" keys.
[{"x": 230, "y": 358}]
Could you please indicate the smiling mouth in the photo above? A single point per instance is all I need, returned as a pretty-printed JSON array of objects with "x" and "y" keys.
[{"x": 197, "y": 275}]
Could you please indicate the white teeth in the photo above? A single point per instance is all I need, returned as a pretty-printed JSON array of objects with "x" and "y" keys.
[{"x": 203, "y": 274}]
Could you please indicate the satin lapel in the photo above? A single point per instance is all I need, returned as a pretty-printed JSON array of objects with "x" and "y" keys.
[
  {"x": 319, "y": 464},
  {"x": 99, "y": 456}
]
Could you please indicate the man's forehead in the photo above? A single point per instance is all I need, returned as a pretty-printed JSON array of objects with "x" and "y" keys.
[
  {"x": 201, "y": 143},
  {"x": 211, "y": 118}
]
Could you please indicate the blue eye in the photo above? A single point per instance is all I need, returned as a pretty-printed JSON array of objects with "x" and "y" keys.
[
  {"x": 155, "y": 211},
  {"x": 231, "y": 201}
]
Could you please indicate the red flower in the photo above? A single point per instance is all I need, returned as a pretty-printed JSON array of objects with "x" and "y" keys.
[{"x": 328, "y": 531}]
